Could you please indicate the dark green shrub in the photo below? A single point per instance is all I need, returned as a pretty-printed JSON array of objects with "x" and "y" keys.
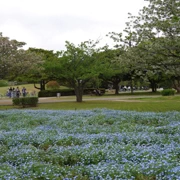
[
  {"x": 66, "y": 92},
  {"x": 53, "y": 93},
  {"x": 168, "y": 92},
  {"x": 25, "y": 101},
  {"x": 3, "y": 83}
]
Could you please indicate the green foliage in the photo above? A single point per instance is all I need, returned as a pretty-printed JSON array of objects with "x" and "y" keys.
[
  {"x": 168, "y": 92},
  {"x": 65, "y": 92},
  {"x": 76, "y": 66},
  {"x": 52, "y": 85},
  {"x": 9, "y": 50},
  {"x": 41, "y": 74},
  {"x": 25, "y": 101},
  {"x": 53, "y": 93},
  {"x": 3, "y": 83}
]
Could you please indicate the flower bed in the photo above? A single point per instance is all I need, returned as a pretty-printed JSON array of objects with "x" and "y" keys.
[{"x": 89, "y": 144}]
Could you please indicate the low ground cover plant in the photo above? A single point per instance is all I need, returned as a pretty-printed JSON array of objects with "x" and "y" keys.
[{"x": 89, "y": 144}]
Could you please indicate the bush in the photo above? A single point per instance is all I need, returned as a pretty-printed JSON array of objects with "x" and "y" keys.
[
  {"x": 53, "y": 93},
  {"x": 3, "y": 83},
  {"x": 53, "y": 85},
  {"x": 65, "y": 92},
  {"x": 25, "y": 101},
  {"x": 168, "y": 92}
]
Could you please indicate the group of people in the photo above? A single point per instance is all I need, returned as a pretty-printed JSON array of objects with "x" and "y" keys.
[{"x": 16, "y": 92}]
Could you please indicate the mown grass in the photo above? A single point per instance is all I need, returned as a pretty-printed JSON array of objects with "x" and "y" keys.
[
  {"x": 153, "y": 104},
  {"x": 133, "y": 106},
  {"x": 138, "y": 101}
]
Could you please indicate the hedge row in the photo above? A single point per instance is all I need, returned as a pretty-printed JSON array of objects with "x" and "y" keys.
[
  {"x": 53, "y": 93},
  {"x": 25, "y": 101},
  {"x": 65, "y": 92}
]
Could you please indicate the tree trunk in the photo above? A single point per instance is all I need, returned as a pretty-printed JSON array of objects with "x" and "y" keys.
[
  {"x": 132, "y": 87},
  {"x": 42, "y": 85},
  {"x": 116, "y": 82},
  {"x": 176, "y": 85},
  {"x": 79, "y": 93},
  {"x": 116, "y": 86},
  {"x": 153, "y": 86}
]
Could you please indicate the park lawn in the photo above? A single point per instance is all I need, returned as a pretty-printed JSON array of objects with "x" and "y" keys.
[
  {"x": 142, "y": 104},
  {"x": 136, "y": 102},
  {"x": 118, "y": 105},
  {"x": 175, "y": 98}
]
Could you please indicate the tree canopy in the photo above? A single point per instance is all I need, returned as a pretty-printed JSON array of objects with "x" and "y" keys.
[
  {"x": 77, "y": 66},
  {"x": 147, "y": 49},
  {"x": 16, "y": 63}
]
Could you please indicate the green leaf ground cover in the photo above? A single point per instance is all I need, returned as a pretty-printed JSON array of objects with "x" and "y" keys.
[{"x": 89, "y": 144}]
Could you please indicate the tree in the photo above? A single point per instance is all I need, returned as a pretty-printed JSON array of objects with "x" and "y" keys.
[
  {"x": 156, "y": 33},
  {"x": 77, "y": 66},
  {"x": 40, "y": 75},
  {"x": 16, "y": 63},
  {"x": 158, "y": 25},
  {"x": 8, "y": 49},
  {"x": 129, "y": 60},
  {"x": 114, "y": 71},
  {"x": 24, "y": 63}
]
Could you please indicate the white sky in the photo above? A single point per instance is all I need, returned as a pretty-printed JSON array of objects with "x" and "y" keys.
[{"x": 48, "y": 24}]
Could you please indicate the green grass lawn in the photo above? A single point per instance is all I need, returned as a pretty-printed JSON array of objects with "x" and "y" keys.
[
  {"x": 140, "y": 103},
  {"x": 155, "y": 106}
]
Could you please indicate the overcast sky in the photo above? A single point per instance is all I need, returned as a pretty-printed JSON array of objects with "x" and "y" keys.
[{"x": 48, "y": 24}]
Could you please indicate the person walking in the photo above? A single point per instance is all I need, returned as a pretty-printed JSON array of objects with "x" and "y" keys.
[
  {"x": 10, "y": 92},
  {"x": 24, "y": 91},
  {"x": 17, "y": 92}
]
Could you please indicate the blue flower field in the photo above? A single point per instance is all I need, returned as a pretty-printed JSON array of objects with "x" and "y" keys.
[{"x": 98, "y": 144}]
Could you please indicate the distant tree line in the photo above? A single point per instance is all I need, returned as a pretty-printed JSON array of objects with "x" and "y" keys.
[{"x": 146, "y": 51}]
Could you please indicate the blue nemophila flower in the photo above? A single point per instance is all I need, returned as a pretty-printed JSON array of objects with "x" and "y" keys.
[{"x": 89, "y": 144}]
